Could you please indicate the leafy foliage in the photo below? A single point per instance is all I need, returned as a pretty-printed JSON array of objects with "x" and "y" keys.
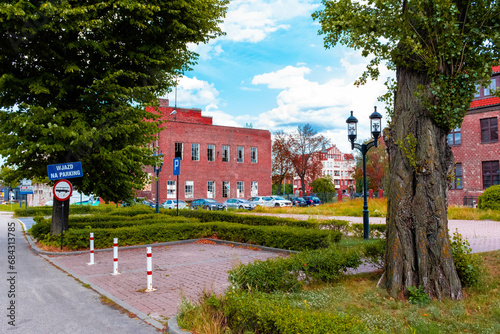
[
  {"x": 418, "y": 296},
  {"x": 377, "y": 168},
  {"x": 469, "y": 267},
  {"x": 289, "y": 274},
  {"x": 454, "y": 42},
  {"x": 490, "y": 199},
  {"x": 77, "y": 76},
  {"x": 323, "y": 185},
  {"x": 282, "y": 167}
]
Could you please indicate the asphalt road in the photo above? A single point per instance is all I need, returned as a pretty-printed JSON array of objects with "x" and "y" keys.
[{"x": 36, "y": 297}]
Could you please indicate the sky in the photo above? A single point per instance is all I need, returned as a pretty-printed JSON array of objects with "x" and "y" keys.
[{"x": 271, "y": 69}]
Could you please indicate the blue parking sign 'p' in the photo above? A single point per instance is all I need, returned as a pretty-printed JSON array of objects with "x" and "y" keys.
[{"x": 177, "y": 166}]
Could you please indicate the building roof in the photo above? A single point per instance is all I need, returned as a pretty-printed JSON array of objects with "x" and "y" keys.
[{"x": 485, "y": 102}]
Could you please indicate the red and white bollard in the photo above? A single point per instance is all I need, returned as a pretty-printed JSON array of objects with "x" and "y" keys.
[
  {"x": 115, "y": 257},
  {"x": 149, "y": 271},
  {"x": 91, "y": 249}
]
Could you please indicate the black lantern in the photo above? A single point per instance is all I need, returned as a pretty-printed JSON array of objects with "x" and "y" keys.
[
  {"x": 376, "y": 125},
  {"x": 352, "y": 133},
  {"x": 157, "y": 170}
]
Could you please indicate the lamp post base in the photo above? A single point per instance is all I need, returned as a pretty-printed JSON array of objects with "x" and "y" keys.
[{"x": 366, "y": 225}]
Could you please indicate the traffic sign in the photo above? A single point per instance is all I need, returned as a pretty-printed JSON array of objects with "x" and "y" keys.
[
  {"x": 177, "y": 166},
  {"x": 65, "y": 171},
  {"x": 25, "y": 182},
  {"x": 26, "y": 190},
  {"x": 62, "y": 190}
]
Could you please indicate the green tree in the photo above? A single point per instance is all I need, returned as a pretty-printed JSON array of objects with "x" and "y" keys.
[
  {"x": 76, "y": 77},
  {"x": 323, "y": 185},
  {"x": 440, "y": 49},
  {"x": 377, "y": 168},
  {"x": 305, "y": 145}
]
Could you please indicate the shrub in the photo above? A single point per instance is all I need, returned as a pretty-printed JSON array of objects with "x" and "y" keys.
[
  {"x": 490, "y": 199},
  {"x": 270, "y": 236},
  {"x": 418, "y": 296},
  {"x": 47, "y": 210},
  {"x": 263, "y": 313},
  {"x": 374, "y": 252},
  {"x": 469, "y": 266},
  {"x": 289, "y": 274},
  {"x": 376, "y": 230}
]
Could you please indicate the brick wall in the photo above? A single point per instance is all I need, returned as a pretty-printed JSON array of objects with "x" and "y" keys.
[
  {"x": 471, "y": 153},
  {"x": 189, "y": 127}
]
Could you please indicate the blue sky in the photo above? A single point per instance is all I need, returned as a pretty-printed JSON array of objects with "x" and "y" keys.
[{"x": 272, "y": 70}]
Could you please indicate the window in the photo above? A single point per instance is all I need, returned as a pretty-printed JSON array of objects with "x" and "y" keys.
[
  {"x": 491, "y": 173},
  {"x": 254, "y": 188},
  {"x": 189, "y": 189},
  {"x": 210, "y": 152},
  {"x": 225, "y": 189},
  {"x": 225, "y": 153},
  {"x": 489, "y": 90},
  {"x": 210, "y": 189},
  {"x": 455, "y": 137},
  {"x": 178, "y": 150},
  {"x": 477, "y": 92},
  {"x": 457, "y": 176},
  {"x": 253, "y": 155},
  {"x": 240, "y": 189},
  {"x": 239, "y": 153},
  {"x": 195, "y": 152},
  {"x": 489, "y": 130},
  {"x": 171, "y": 190}
]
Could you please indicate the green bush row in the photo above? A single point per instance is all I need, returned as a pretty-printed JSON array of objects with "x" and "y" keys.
[
  {"x": 208, "y": 216},
  {"x": 263, "y": 313},
  {"x": 270, "y": 236},
  {"x": 291, "y": 273},
  {"x": 47, "y": 210},
  {"x": 490, "y": 199}
]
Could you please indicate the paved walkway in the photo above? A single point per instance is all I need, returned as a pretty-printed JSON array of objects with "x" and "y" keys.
[{"x": 190, "y": 268}]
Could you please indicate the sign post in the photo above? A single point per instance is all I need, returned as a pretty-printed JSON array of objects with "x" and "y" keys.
[
  {"x": 177, "y": 171},
  {"x": 62, "y": 191},
  {"x": 65, "y": 171}
]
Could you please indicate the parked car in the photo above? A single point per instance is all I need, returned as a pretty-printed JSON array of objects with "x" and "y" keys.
[
  {"x": 239, "y": 203},
  {"x": 298, "y": 201},
  {"x": 261, "y": 200},
  {"x": 207, "y": 204},
  {"x": 280, "y": 201},
  {"x": 172, "y": 204},
  {"x": 312, "y": 200}
]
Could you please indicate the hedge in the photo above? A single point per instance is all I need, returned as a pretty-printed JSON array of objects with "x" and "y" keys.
[
  {"x": 289, "y": 274},
  {"x": 376, "y": 230},
  {"x": 490, "y": 199},
  {"x": 223, "y": 216},
  {"x": 271, "y": 236},
  {"x": 263, "y": 313},
  {"x": 47, "y": 210}
]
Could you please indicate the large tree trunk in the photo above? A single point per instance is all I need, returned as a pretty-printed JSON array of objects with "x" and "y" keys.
[
  {"x": 60, "y": 216},
  {"x": 418, "y": 246}
]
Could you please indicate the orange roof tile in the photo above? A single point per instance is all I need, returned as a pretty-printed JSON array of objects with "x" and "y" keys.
[{"x": 485, "y": 102}]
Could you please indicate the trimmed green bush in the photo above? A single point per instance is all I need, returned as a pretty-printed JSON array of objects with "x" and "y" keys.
[
  {"x": 262, "y": 313},
  {"x": 270, "y": 236},
  {"x": 490, "y": 199},
  {"x": 47, "y": 210},
  {"x": 374, "y": 252},
  {"x": 289, "y": 274}
]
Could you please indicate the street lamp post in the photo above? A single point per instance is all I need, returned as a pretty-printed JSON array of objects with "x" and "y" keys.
[
  {"x": 157, "y": 170},
  {"x": 352, "y": 133}
]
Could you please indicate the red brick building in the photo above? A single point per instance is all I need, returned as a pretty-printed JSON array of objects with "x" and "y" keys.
[
  {"x": 476, "y": 147},
  {"x": 218, "y": 162}
]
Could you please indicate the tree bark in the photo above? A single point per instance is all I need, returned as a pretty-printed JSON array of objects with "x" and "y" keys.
[
  {"x": 418, "y": 245},
  {"x": 60, "y": 216}
]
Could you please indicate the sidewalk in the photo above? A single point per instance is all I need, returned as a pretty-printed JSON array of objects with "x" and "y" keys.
[{"x": 190, "y": 268}]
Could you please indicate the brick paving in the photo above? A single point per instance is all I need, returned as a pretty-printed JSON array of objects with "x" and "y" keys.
[{"x": 189, "y": 269}]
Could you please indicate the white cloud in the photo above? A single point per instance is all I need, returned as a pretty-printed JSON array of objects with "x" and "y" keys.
[
  {"x": 253, "y": 20},
  {"x": 326, "y": 105}
]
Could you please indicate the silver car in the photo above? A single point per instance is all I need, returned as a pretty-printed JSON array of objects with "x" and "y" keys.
[
  {"x": 239, "y": 203},
  {"x": 172, "y": 204}
]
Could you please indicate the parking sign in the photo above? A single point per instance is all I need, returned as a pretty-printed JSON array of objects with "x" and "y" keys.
[{"x": 177, "y": 166}]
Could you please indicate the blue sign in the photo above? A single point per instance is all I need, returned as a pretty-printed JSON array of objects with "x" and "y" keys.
[
  {"x": 177, "y": 166},
  {"x": 65, "y": 171}
]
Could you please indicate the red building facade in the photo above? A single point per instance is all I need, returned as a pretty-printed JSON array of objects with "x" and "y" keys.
[
  {"x": 476, "y": 147},
  {"x": 218, "y": 162}
]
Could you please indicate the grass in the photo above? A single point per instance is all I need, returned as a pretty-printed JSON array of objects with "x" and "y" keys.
[
  {"x": 358, "y": 296},
  {"x": 377, "y": 208}
]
